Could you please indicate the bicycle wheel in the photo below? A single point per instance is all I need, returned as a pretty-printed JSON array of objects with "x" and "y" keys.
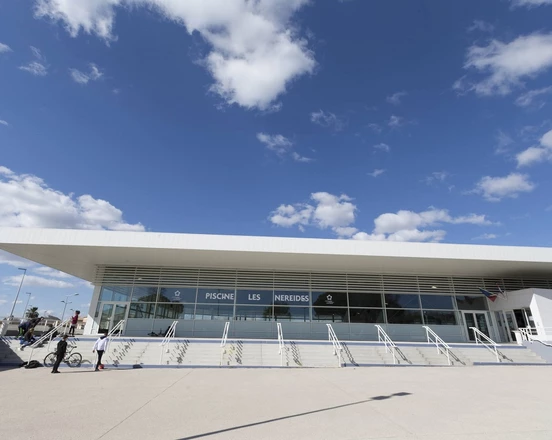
[
  {"x": 50, "y": 360},
  {"x": 74, "y": 360}
]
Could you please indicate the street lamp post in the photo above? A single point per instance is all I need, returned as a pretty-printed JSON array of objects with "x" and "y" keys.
[
  {"x": 27, "y": 305},
  {"x": 65, "y": 304},
  {"x": 18, "y": 290}
]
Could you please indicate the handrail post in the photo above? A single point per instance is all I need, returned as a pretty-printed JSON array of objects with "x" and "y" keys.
[
  {"x": 223, "y": 340},
  {"x": 383, "y": 336},
  {"x": 281, "y": 343}
]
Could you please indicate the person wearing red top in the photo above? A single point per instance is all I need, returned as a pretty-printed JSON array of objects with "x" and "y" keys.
[{"x": 74, "y": 321}]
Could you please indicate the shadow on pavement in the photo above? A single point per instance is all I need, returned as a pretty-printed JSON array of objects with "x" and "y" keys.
[{"x": 234, "y": 428}]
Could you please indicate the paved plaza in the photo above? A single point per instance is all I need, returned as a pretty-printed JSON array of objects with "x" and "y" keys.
[{"x": 479, "y": 403}]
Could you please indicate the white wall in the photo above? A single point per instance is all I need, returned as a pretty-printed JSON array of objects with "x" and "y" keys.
[
  {"x": 541, "y": 308},
  {"x": 516, "y": 300}
]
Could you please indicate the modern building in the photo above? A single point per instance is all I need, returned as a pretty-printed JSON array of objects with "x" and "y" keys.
[{"x": 151, "y": 279}]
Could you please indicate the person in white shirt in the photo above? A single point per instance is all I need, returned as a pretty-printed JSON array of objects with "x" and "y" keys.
[{"x": 100, "y": 346}]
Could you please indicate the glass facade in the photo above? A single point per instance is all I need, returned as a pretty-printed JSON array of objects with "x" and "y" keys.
[{"x": 205, "y": 303}]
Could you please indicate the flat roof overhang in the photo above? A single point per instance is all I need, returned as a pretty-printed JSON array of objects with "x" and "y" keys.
[{"x": 78, "y": 252}]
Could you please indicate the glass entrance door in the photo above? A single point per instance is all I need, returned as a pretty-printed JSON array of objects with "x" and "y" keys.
[
  {"x": 111, "y": 314},
  {"x": 477, "y": 320},
  {"x": 511, "y": 322}
]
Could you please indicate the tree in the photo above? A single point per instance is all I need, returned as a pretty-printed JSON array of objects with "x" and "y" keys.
[{"x": 31, "y": 313}]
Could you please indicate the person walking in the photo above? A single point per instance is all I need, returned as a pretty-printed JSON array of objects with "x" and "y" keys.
[
  {"x": 100, "y": 346},
  {"x": 28, "y": 339},
  {"x": 74, "y": 322},
  {"x": 61, "y": 349}
]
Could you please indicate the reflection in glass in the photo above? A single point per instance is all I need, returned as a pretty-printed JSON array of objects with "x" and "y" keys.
[
  {"x": 404, "y": 316},
  {"x": 141, "y": 310},
  {"x": 330, "y": 314},
  {"x": 177, "y": 294},
  {"x": 214, "y": 311},
  {"x": 115, "y": 293},
  {"x": 402, "y": 301},
  {"x": 144, "y": 294},
  {"x": 174, "y": 311},
  {"x": 285, "y": 313},
  {"x": 437, "y": 302},
  {"x": 366, "y": 315},
  {"x": 434, "y": 317},
  {"x": 329, "y": 299},
  {"x": 254, "y": 313},
  {"x": 365, "y": 300},
  {"x": 466, "y": 302}
]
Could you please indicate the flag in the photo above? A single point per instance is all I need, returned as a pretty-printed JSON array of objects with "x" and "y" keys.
[{"x": 490, "y": 296}]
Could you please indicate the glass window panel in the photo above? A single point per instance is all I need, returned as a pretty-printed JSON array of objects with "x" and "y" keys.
[
  {"x": 467, "y": 302},
  {"x": 330, "y": 314},
  {"x": 329, "y": 299},
  {"x": 404, "y": 316},
  {"x": 144, "y": 294},
  {"x": 115, "y": 293},
  {"x": 402, "y": 301},
  {"x": 366, "y": 315},
  {"x": 177, "y": 294},
  {"x": 141, "y": 310},
  {"x": 437, "y": 302},
  {"x": 174, "y": 311},
  {"x": 214, "y": 312},
  {"x": 254, "y": 297},
  {"x": 434, "y": 317},
  {"x": 254, "y": 313},
  {"x": 216, "y": 296},
  {"x": 364, "y": 300},
  {"x": 285, "y": 313},
  {"x": 287, "y": 298}
]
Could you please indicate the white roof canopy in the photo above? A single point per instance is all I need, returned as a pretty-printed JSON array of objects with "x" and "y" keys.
[{"x": 78, "y": 252}]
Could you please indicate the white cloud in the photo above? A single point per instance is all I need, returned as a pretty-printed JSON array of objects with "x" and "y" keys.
[
  {"x": 375, "y": 127},
  {"x": 436, "y": 176},
  {"x": 338, "y": 213},
  {"x": 485, "y": 237},
  {"x": 48, "y": 271},
  {"x": 507, "y": 64},
  {"x": 396, "y": 121},
  {"x": 495, "y": 189},
  {"x": 482, "y": 26},
  {"x": 531, "y": 3},
  {"x": 536, "y": 154},
  {"x": 32, "y": 280},
  {"x": 275, "y": 142},
  {"x": 84, "y": 78},
  {"x": 529, "y": 98},
  {"x": 327, "y": 119},
  {"x": 503, "y": 142},
  {"x": 35, "y": 68},
  {"x": 5, "y": 123},
  {"x": 377, "y": 172},
  {"x": 383, "y": 147},
  {"x": 5, "y": 48},
  {"x": 256, "y": 52},
  {"x": 395, "y": 98},
  {"x": 26, "y": 201},
  {"x": 298, "y": 158}
]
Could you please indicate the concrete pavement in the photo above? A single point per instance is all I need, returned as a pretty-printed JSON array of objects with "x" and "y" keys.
[{"x": 480, "y": 403}]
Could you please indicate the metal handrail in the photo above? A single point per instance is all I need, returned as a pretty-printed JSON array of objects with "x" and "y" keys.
[
  {"x": 534, "y": 333},
  {"x": 438, "y": 342},
  {"x": 337, "y": 348},
  {"x": 490, "y": 345},
  {"x": 389, "y": 344},
  {"x": 281, "y": 343},
  {"x": 167, "y": 340},
  {"x": 118, "y": 328},
  {"x": 223, "y": 340},
  {"x": 49, "y": 335}
]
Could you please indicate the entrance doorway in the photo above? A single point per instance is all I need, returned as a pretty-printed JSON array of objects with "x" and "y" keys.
[
  {"x": 504, "y": 329},
  {"x": 110, "y": 315},
  {"x": 477, "y": 320}
]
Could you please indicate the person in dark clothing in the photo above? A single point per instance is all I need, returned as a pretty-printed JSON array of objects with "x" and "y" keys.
[
  {"x": 74, "y": 322},
  {"x": 60, "y": 353}
]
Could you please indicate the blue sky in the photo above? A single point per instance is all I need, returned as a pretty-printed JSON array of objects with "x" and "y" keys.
[{"x": 411, "y": 120}]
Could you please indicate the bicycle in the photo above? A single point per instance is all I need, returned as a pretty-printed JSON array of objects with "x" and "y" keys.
[{"x": 71, "y": 359}]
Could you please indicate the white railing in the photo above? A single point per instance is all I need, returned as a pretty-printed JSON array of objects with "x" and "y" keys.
[
  {"x": 434, "y": 338},
  {"x": 535, "y": 333},
  {"x": 491, "y": 345},
  {"x": 48, "y": 336},
  {"x": 389, "y": 344},
  {"x": 337, "y": 348},
  {"x": 281, "y": 343},
  {"x": 223, "y": 340},
  {"x": 167, "y": 340},
  {"x": 4, "y": 327},
  {"x": 119, "y": 327}
]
